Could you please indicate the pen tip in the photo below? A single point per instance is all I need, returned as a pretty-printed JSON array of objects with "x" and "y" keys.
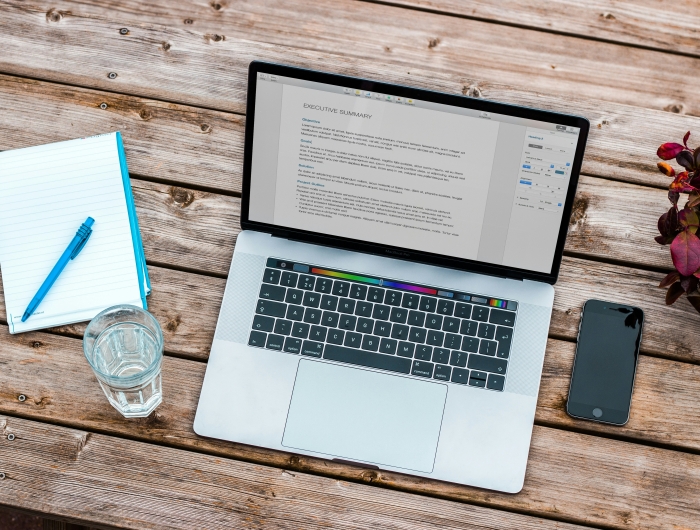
[
  {"x": 25, "y": 317},
  {"x": 89, "y": 221}
]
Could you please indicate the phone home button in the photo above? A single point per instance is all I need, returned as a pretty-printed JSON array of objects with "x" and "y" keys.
[{"x": 597, "y": 412}]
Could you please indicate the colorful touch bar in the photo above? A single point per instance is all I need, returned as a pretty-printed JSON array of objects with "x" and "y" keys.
[
  {"x": 346, "y": 276},
  {"x": 493, "y": 302},
  {"x": 407, "y": 287}
]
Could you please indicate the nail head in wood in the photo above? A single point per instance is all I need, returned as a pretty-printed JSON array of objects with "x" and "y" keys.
[
  {"x": 2, "y": 476},
  {"x": 103, "y": 106},
  {"x": 22, "y": 397},
  {"x": 10, "y": 437},
  {"x": 124, "y": 31},
  {"x": 112, "y": 75}
]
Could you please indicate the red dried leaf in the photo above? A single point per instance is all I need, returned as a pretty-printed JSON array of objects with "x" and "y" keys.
[
  {"x": 673, "y": 196},
  {"x": 680, "y": 184},
  {"x": 685, "y": 139},
  {"x": 674, "y": 293},
  {"x": 689, "y": 284},
  {"x": 685, "y": 159},
  {"x": 685, "y": 252},
  {"x": 693, "y": 199},
  {"x": 688, "y": 219},
  {"x": 666, "y": 169},
  {"x": 670, "y": 279},
  {"x": 669, "y": 150}
]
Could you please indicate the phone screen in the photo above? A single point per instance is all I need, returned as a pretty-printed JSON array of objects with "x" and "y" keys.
[{"x": 606, "y": 361}]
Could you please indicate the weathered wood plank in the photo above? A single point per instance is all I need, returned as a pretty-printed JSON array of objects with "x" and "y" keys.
[
  {"x": 645, "y": 23},
  {"x": 571, "y": 476},
  {"x": 199, "y": 71},
  {"x": 51, "y": 468},
  {"x": 541, "y": 61}
]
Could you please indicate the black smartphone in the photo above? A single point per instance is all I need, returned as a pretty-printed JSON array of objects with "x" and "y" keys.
[{"x": 605, "y": 362}]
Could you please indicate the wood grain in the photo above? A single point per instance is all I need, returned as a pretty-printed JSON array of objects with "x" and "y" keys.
[
  {"x": 644, "y": 23},
  {"x": 571, "y": 476},
  {"x": 540, "y": 61},
  {"x": 198, "y": 71},
  {"x": 51, "y": 468}
]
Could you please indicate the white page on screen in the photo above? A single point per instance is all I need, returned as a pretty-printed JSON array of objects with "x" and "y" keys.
[{"x": 47, "y": 192}]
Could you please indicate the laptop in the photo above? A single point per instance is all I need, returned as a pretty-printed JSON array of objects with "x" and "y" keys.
[{"x": 389, "y": 297}]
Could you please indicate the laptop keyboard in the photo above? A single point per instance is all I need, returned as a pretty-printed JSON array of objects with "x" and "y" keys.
[{"x": 383, "y": 324}]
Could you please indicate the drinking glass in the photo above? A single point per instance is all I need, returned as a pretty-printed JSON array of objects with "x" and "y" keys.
[{"x": 124, "y": 346}]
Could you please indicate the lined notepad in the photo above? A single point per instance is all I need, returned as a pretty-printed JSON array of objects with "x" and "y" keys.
[{"x": 47, "y": 192}]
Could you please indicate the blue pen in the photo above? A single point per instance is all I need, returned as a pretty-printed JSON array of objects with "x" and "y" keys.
[{"x": 81, "y": 237}]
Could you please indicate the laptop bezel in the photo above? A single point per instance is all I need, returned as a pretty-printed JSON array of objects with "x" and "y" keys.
[{"x": 419, "y": 94}]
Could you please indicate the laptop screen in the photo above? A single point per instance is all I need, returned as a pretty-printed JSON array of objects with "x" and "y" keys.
[{"x": 414, "y": 174}]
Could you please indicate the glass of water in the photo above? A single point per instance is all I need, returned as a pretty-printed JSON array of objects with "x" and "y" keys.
[{"x": 124, "y": 346}]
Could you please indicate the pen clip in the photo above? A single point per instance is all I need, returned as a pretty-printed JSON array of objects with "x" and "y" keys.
[{"x": 82, "y": 243}]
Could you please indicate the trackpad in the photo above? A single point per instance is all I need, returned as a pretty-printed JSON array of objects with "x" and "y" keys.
[{"x": 373, "y": 417}]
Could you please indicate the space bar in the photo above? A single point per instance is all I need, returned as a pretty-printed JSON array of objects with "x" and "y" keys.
[{"x": 367, "y": 358}]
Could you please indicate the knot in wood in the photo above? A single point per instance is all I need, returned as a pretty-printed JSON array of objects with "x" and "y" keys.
[
  {"x": 205, "y": 128},
  {"x": 124, "y": 31},
  {"x": 216, "y": 6},
  {"x": 145, "y": 114},
  {"x": 173, "y": 323},
  {"x": 433, "y": 42},
  {"x": 676, "y": 108},
  {"x": 607, "y": 16},
  {"x": 181, "y": 197},
  {"x": 473, "y": 91},
  {"x": 166, "y": 46},
  {"x": 217, "y": 38},
  {"x": 37, "y": 344},
  {"x": 188, "y": 21},
  {"x": 370, "y": 476},
  {"x": 54, "y": 16}
]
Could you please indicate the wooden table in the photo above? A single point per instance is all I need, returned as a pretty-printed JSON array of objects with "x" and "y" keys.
[{"x": 178, "y": 96}]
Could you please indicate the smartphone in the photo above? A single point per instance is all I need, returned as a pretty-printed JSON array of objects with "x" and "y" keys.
[{"x": 606, "y": 362}]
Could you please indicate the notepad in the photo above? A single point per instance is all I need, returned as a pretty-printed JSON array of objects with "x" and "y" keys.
[{"x": 46, "y": 193}]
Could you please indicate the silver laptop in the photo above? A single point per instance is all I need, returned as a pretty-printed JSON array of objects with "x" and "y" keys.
[{"x": 390, "y": 294}]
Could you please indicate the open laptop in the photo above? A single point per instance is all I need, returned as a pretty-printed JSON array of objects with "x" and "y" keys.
[{"x": 389, "y": 298}]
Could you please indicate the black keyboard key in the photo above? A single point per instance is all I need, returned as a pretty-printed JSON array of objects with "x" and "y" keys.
[
  {"x": 294, "y": 296},
  {"x": 376, "y": 295},
  {"x": 399, "y": 331},
  {"x": 392, "y": 298},
  {"x": 480, "y": 313},
  {"x": 272, "y": 292},
  {"x": 289, "y": 279},
  {"x": 478, "y": 375},
  {"x": 370, "y": 342},
  {"x": 435, "y": 338},
  {"x": 300, "y": 330},
  {"x": 422, "y": 369},
  {"x": 504, "y": 336},
  {"x": 383, "y": 329},
  {"x": 458, "y": 358},
  {"x": 345, "y": 305},
  {"x": 451, "y": 324},
  {"x": 474, "y": 381},
  {"x": 283, "y": 327},
  {"x": 318, "y": 333},
  {"x": 341, "y": 288},
  {"x": 330, "y": 319},
  {"x": 295, "y": 312},
  {"x": 354, "y": 340},
  {"x": 433, "y": 322},
  {"x": 445, "y": 307},
  {"x": 306, "y": 282},
  {"x": 363, "y": 309},
  {"x": 428, "y": 304},
  {"x": 365, "y": 325},
  {"x": 460, "y": 376},
  {"x": 503, "y": 318},
  {"x": 417, "y": 334},
  {"x": 405, "y": 349},
  {"x": 486, "y": 331},
  {"x": 468, "y": 327},
  {"x": 410, "y": 301},
  {"x": 329, "y": 302},
  {"x": 312, "y": 349},
  {"x": 270, "y": 308},
  {"x": 274, "y": 342},
  {"x": 257, "y": 338},
  {"x": 399, "y": 315},
  {"x": 487, "y": 364},
  {"x": 470, "y": 344},
  {"x": 357, "y": 291},
  {"x": 335, "y": 336},
  {"x": 388, "y": 346},
  {"x": 416, "y": 318},
  {"x": 391, "y": 363},
  {"x": 272, "y": 276},
  {"x": 424, "y": 353},
  {"x": 381, "y": 312},
  {"x": 312, "y": 316},
  {"x": 347, "y": 322},
  {"x": 452, "y": 341},
  {"x": 261, "y": 323},
  {"x": 292, "y": 345},
  {"x": 311, "y": 299},
  {"x": 495, "y": 382},
  {"x": 488, "y": 347},
  {"x": 324, "y": 285},
  {"x": 442, "y": 372},
  {"x": 463, "y": 310},
  {"x": 441, "y": 355}
]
